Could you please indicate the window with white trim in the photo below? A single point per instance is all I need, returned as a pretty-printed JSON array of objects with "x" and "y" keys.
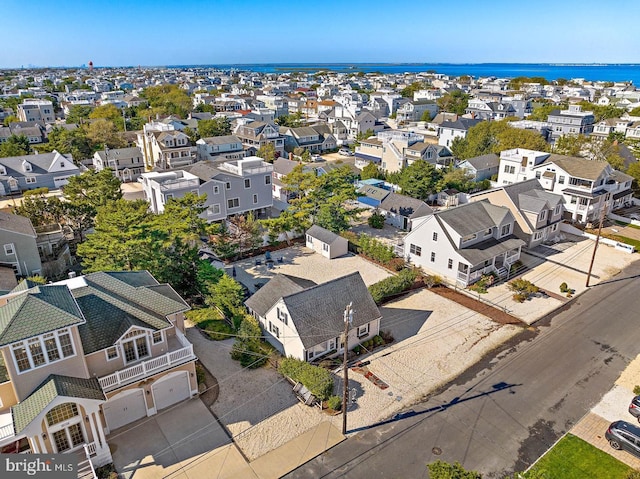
[
  {"x": 216, "y": 190},
  {"x": 213, "y": 210},
  {"x": 267, "y": 180},
  {"x": 233, "y": 203},
  {"x": 30, "y": 179},
  {"x": 135, "y": 346},
  {"x": 255, "y": 199},
  {"x": 42, "y": 350},
  {"x": 434, "y": 237},
  {"x": 112, "y": 353},
  {"x": 433, "y": 256},
  {"x": 450, "y": 264},
  {"x": 282, "y": 316},
  {"x": 228, "y": 185},
  {"x": 247, "y": 183},
  {"x": 417, "y": 250},
  {"x": 363, "y": 330},
  {"x": 506, "y": 229},
  {"x": 273, "y": 329},
  {"x": 156, "y": 337},
  {"x": 325, "y": 247}
]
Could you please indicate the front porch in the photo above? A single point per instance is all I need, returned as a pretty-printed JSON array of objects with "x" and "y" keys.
[{"x": 499, "y": 264}]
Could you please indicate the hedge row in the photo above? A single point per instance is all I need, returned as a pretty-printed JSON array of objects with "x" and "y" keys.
[
  {"x": 393, "y": 285},
  {"x": 316, "y": 379}
]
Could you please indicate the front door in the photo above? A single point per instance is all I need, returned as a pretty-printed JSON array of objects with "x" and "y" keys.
[{"x": 68, "y": 438}]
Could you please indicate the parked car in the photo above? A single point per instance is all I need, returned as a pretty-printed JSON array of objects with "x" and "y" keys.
[
  {"x": 623, "y": 435},
  {"x": 634, "y": 407},
  {"x": 345, "y": 152}
]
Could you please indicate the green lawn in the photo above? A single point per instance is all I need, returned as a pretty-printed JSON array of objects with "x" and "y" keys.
[
  {"x": 211, "y": 322},
  {"x": 573, "y": 458}
]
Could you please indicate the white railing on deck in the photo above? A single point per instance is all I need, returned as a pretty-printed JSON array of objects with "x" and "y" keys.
[
  {"x": 7, "y": 431},
  {"x": 148, "y": 367}
]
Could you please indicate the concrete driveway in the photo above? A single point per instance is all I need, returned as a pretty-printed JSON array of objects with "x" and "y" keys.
[{"x": 184, "y": 441}]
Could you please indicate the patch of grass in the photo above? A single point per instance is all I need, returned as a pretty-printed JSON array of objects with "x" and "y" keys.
[
  {"x": 210, "y": 320},
  {"x": 630, "y": 225},
  {"x": 573, "y": 458},
  {"x": 624, "y": 239}
]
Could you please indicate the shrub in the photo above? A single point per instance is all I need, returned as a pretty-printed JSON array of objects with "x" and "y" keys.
[
  {"x": 396, "y": 264},
  {"x": 200, "y": 375},
  {"x": 377, "y": 340},
  {"x": 432, "y": 280},
  {"x": 376, "y": 220},
  {"x": 636, "y": 390},
  {"x": 357, "y": 349},
  {"x": 314, "y": 378},
  {"x": 335, "y": 403},
  {"x": 37, "y": 191},
  {"x": 522, "y": 289},
  {"x": 375, "y": 249},
  {"x": 393, "y": 285},
  {"x": 482, "y": 284},
  {"x": 564, "y": 288},
  {"x": 443, "y": 470}
]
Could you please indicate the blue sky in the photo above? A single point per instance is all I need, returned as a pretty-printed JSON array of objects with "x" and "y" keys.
[{"x": 161, "y": 32}]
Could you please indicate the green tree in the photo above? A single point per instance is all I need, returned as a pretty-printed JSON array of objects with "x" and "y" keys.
[
  {"x": 247, "y": 234},
  {"x": 267, "y": 152},
  {"x": 214, "y": 127},
  {"x": 409, "y": 90},
  {"x": 494, "y": 137},
  {"x": 192, "y": 134},
  {"x": 108, "y": 112},
  {"x": 73, "y": 142},
  {"x": 371, "y": 171},
  {"x": 41, "y": 210},
  {"x": 634, "y": 170},
  {"x": 541, "y": 112},
  {"x": 103, "y": 133},
  {"x": 635, "y": 111},
  {"x": 602, "y": 112},
  {"x": 168, "y": 100},
  {"x": 247, "y": 347},
  {"x": 419, "y": 179},
  {"x": 221, "y": 241},
  {"x": 293, "y": 120},
  {"x": 443, "y": 470},
  {"x": 79, "y": 114},
  {"x": 15, "y": 145},
  {"x": 283, "y": 224},
  {"x": 10, "y": 119},
  {"x": 454, "y": 102},
  {"x": 226, "y": 294},
  {"x": 426, "y": 116},
  {"x": 458, "y": 179}
]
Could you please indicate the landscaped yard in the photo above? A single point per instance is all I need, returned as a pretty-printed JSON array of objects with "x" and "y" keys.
[
  {"x": 211, "y": 321},
  {"x": 573, "y": 458}
]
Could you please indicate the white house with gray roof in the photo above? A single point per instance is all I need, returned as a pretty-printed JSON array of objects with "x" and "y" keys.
[
  {"x": 21, "y": 173},
  {"x": 481, "y": 167},
  {"x": 401, "y": 211},
  {"x": 305, "y": 320},
  {"x": 326, "y": 243},
  {"x": 226, "y": 147},
  {"x": 127, "y": 163},
  {"x": 463, "y": 243},
  {"x": 538, "y": 213},
  {"x": 587, "y": 186}
]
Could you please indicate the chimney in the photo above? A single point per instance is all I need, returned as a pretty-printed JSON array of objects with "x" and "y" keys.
[{"x": 72, "y": 274}]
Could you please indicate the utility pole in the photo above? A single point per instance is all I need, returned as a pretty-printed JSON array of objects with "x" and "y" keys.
[
  {"x": 595, "y": 247},
  {"x": 348, "y": 319}
]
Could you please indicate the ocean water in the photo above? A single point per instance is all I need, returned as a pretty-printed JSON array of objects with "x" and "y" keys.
[{"x": 550, "y": 71}]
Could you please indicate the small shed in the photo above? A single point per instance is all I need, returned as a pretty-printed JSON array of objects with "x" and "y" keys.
[{"x": 326, "y": 243}]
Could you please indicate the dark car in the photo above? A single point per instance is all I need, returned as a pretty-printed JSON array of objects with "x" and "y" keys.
[
  {"x": 634, "y": 407},
  {"x": 623, "y": 435}
]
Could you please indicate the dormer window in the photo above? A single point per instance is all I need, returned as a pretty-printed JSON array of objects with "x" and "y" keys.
[
  {"x": 62, "y": 164},
  {"x": 3, "y": 170},
  {"x": 26, "y": 166}
]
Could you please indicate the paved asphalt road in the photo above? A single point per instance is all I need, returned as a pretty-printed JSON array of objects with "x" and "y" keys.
[{"x": 504, "y": 413}]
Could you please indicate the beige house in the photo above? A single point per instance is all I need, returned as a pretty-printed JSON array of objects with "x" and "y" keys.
[{"x": 86, "y": 356}]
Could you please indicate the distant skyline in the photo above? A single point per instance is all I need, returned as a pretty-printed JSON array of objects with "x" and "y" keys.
[{"x": 155, "y": 33}]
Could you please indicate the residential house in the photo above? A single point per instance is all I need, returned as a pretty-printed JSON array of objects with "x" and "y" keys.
[
  {"x": 462, "y": 244},
  {"x": 32, "y": 109},
  {"x": 482, "y": 167},
  {"x": 401, "y": 211},
  {"x": 371, "y": 192},
  {"x": 587, "y": 186},
  {"x": 450, "y": 130},
  {"x": 232, "y": 187},
  {"x": 305, "y": 321},
  {"x": 19, "y": 250},
  {"x": 281, "y": 168},
  {"x": 32, "y": 130},
  {"x": 53, "y": 247},
  {"x": 439, "y": 156},
  {"x": 413, "y": 111},
  {"x": 227, "y": 147},
  {"x": 310, "y": 138},
  {"x": 448, "y": 197},
  {"x": 164, "y": 147},
  {"x": 326, "y": 243},
  {"x": 387, "y": 150},
  {"x": 538, "y": 213},
  {"x": 45, "y": 170},
  {"x": 489, "y": 110},
  {"x": 256, "y": 134},
  {"x": 127, "y": 163},
  {"x": 86, "y": 356},
  {"x": 572, "y": 121}
]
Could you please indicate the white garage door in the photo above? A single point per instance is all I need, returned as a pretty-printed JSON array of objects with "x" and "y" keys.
[
  {"x": 171, "y": 389},
  {"x": 124, "y": 409}
]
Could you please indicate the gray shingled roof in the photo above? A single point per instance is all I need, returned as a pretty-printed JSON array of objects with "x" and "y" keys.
[
  {"x": 40, "y": 163},
  {"x": 373, "y": 192},
  {"x": 405, "y": 206},
  {"x": 318, "y": 312},
  {"x": 16, "y": 224},
  {"x": 221, "y": 140},
  {"x": 277, "y": 287},
  {"x": 322, "y": 234},
  {"x": 26, "y": 411},
  {"x": 39, "y": 310},
  {"x": 486, "y": 250},
  {"x": 578, "y": 167},
  {"x": 484, "y": 162},
  {"x": 473, "y": 217}
]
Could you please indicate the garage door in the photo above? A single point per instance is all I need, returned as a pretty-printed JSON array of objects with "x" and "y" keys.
[
  {"x": 171, "y": 389},
  {"x": 124, "y": 408}
]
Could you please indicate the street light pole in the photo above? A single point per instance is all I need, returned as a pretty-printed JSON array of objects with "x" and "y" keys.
[
  {"x": 595, "y": 247},
  {"x": 348, "y": 319}
]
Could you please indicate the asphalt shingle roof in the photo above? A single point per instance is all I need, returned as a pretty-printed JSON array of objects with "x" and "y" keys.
[
  {"x": 26, "y": 411},
  {"x": 473, "y": 217},
  {"x": 322, "y": 234},
  {"x": 16, "y": 224},
  {"x": 279, "y": 286},
  {"x": 405, "y": 206},
  {"x": 578, "y": 167}
]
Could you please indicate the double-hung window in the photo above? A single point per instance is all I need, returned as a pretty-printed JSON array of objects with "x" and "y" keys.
[{"x": 135, "y": 346}]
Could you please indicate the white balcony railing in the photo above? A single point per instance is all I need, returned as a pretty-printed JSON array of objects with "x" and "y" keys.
[
  {"x": 7, "y": 431},
  {"x": 146, "y": 368}
]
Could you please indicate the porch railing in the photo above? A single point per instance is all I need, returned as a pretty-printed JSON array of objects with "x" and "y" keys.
[
  {"x": 147, "y": 368},
  {"x": 7, "y": 431}
]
